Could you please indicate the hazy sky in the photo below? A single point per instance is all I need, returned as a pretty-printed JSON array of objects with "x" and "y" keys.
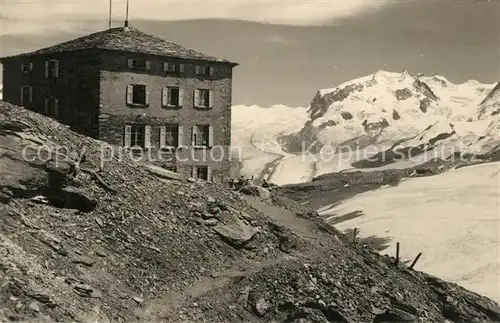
[{"x": 287, "y": 49}]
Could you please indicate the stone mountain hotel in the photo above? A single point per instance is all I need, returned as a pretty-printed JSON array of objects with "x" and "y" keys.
[{"x": 133, "y": 89}]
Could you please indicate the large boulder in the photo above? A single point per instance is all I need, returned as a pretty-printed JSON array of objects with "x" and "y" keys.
[
  {"x": 162, "y": 172},
  {"x": 28, "y": 169},
  {"x": 75, "y": 198},
  {"x": 59, "y": 173},
  {"x": 237, "y": 233},
  {"x": 22, "y": 172}
]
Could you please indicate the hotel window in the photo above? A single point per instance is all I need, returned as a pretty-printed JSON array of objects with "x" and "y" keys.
[
  {"x": 52, "y": 69},
  {"x": 203, "y": 98},
  {"x": 202, "y": 136}
]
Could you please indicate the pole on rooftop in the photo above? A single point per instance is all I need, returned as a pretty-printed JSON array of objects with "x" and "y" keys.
[
  {"x": 126, "y": 16},
  {"x": 109, "y": 20}
]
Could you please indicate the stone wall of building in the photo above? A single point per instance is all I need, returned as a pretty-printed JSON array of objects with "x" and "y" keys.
[
  {"x": 115, "y": 114},
  {"x": 91, "y": 89},
  {"x": 76, "y": 87}
]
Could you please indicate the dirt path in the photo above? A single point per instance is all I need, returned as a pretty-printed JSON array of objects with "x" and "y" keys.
[
  {"x": 300, "y": 226},
  {"x": 168, "y": 305}
]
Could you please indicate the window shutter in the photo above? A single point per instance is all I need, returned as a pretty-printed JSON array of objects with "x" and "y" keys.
[
  {"x": 181, "y": 97},
  {"x": 210, "y": 136},
  {"x": 46, "y": 69},
  {"x": 165, "y": 66},
  {"x": 194, "y": 136},
  {"x": 193, "y": 172},
  {"x": 148, "y": 65},
  {"x": 163, "y": 136},
  {"x": 130, "y": 94},
  {"x": 196, "y": 98},
  {"x": 56, "y": 68},
  {"x": 130, "y": 63},
  {"x": 56, "y": 107},
  {"x": 22, "y": 95},
  {"x": 147, "y": 136},
  {"x": 210, "y": 98},
  {"x": 212, "y": 71},
  {"x": 181, "y": 68},
  {"x": 180, "y": 136},
  {"x": 22, "y": 67},
  {"x": 169, "y": 96},
  {"x": 46, "y": 106},
  {"x": 197, "y": 70},
  {"x": 209, "y": 174},
  {"x": 126, "y": 137},
  {"x": 31, "y": 94},
  {"x": 164, "y": 96},
  {"x": 147, "y": 96},
  {"x": 31, "y": 66}
]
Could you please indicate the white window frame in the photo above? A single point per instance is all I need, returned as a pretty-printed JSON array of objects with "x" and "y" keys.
[
  {"x": 198, "y": 96},
  {"x": 195, "y": 135},
  {"x": 130, "y": 95},
  {"x": 54, "y": 107},
  {"x": 194, "y": 172},
  {"x": 166, "y": 96},
  {"x": 128, "y": 140},
  {"x": 55, "y": 69},
  {"x": 164, "y": 134},
  {"x": 30, "y": 67},
  {"x": 204, "y": 70},
  {"x": 30, "y": 96},
  {"x": 131, "y": 64},
  {"x": 136, "y": 132},
  {"x": 173, "y": 68},
  {"x": 127, "y": 137}
]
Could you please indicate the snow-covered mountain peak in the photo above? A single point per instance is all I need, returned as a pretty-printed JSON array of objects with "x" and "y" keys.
[
  {"x": 382, "y": 92},
  {"x": 389, "y": 107},
  {"x": 385, "y": 113},
  {"x": 436, "y": 81},
  {"x": 386, "y": 78},
  {"x": 382, "y": 79}
]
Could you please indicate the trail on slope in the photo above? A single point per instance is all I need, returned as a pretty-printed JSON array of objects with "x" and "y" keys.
[{"x": 169, "y": 305}]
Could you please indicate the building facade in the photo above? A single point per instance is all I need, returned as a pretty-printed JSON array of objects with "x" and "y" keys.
[{"x": 134, "y": 90}]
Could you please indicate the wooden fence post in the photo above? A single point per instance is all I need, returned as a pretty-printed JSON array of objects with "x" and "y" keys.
[
  {"x": 397, "y": 254},
  {"x": 415, "y": 261},
  {"x": 355, "y": 232}
]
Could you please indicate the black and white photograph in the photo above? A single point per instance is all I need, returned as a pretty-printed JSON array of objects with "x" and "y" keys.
[{"x": 287, "y": 161}]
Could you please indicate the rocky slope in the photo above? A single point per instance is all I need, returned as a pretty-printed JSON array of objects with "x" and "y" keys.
[
  {"x": 87, "y": 241},
  {"x": 402, "y": 116}
]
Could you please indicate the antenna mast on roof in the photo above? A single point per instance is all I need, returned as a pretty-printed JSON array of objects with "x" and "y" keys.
[
  {"x": 109, "y": 20},
  {"x": 126, "y": 16}
]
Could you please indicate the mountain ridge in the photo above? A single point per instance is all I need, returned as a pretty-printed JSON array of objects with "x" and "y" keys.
[
  {"x": 389, "y": 110},
  {"x": 417, "y": 117}
]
